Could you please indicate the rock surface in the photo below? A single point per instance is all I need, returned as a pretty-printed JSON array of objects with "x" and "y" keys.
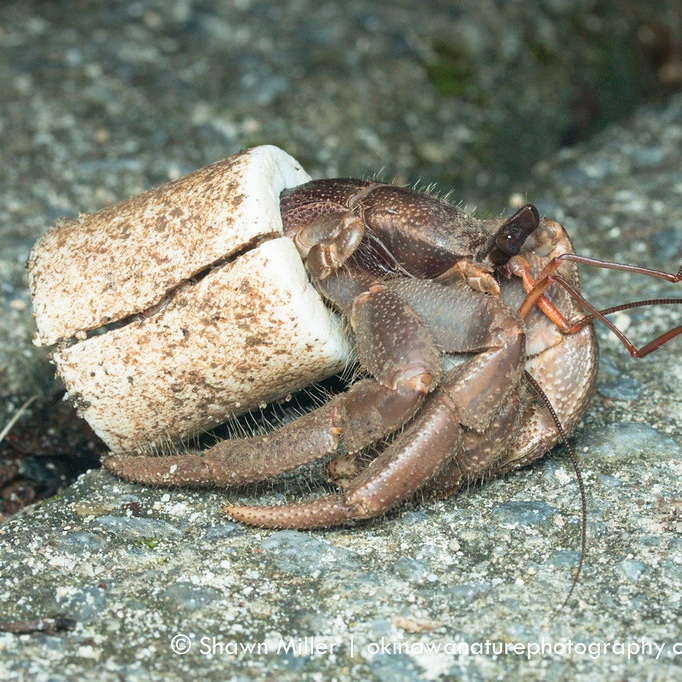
[{"x": 159, "y": 584}]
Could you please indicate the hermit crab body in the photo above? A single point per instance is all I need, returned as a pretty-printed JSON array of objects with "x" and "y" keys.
[{"x": 458, "y": 324}]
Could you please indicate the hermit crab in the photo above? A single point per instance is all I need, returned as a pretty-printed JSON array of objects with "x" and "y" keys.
[{"x": 476, "y": 345}]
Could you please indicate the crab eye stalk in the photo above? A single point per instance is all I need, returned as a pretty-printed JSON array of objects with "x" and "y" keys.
[{"x": 509, "y": 239}]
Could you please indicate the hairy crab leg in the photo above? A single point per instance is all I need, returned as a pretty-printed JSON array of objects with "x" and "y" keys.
[
  {"x": 420, "y": 453},
  {"x": 468, "y": 397},
  {"x": 349, "y": 422}
]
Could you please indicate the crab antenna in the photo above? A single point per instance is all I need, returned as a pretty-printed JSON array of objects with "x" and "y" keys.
[{"x": 579, "y": 478}]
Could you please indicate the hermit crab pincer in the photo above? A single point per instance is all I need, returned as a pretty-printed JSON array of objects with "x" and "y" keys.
[{"x": 477, "y": 347}]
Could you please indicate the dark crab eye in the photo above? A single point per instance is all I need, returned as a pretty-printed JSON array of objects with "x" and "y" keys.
[
  {"x": 510, "y": 237},
  {"x": 508, "y": 243}
]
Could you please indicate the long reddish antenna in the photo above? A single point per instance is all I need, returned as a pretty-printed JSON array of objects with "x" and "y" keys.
[{"x": 535, "y": 296}]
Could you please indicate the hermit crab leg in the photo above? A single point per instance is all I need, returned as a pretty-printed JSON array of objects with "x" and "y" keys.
[
  {"x": 366, "y": 412},
  {"x": 447, "y": 458},
  {"x": 418, "y": 455},
  {"x": 468, "y": 397}
]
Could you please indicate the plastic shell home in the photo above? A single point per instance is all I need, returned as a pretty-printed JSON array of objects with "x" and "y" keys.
[{"x": 172, "y": 311}]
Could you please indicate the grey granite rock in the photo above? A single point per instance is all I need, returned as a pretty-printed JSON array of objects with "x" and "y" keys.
[{"x": 103, "y": 100}]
